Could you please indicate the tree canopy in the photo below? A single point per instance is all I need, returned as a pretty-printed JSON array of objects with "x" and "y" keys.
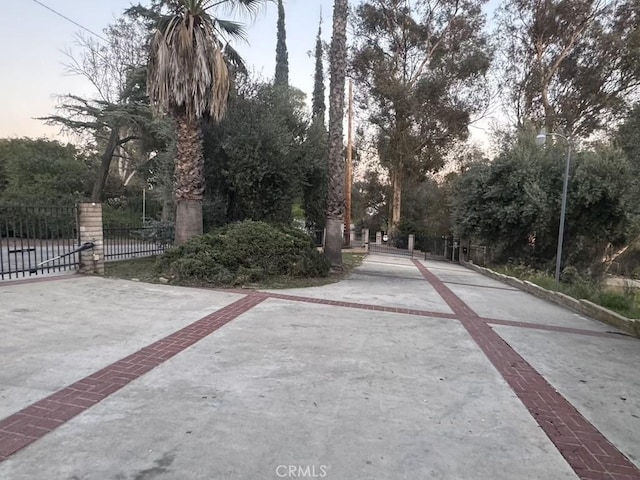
[{"x": 420, "y": 67}]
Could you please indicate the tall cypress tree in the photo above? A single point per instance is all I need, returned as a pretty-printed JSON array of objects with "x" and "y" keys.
[
  {"x": 318, "y": 104},
  {"x": 282, "y": 56},
  {"x": 316, "y": 148}
]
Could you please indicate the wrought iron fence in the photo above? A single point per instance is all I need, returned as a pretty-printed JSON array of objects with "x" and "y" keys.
[
  {"x": 478, "y": 254},
  {"x": 37, "y": 240},
  {"x": 139, "y": 241},
  {"x": 432, "y": 247},
  {"x": 428, "y": 246},
  {"x": 385, "y": 249}
]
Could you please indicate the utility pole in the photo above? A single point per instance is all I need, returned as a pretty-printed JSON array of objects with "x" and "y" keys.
[{"x": 349, "y": 169}]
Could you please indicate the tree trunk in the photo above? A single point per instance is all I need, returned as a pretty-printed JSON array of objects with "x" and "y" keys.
[
  {"x": 189, "y": 178},
  {"x": 335, "y": 197},
  {"x": 188, "y": 220},
  {"x": 396, "y": 202},
  {"x": 105, "y": 163},
  {"x": 549, "y": 112}
]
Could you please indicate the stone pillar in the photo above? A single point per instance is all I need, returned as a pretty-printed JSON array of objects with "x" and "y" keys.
[
  {"x": 365, "y": 237},
  {"x": 412, "y": 241},
  {"x": 90, "y": 226},
  {"x": 352, "y": 237},
  {"x": 378, "y": 238}
]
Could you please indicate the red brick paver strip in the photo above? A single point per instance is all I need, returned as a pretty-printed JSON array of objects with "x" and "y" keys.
[
  {"x": 585, "y": 449},
  {"x": 553, "y": 328},
  {"x": 363, "y": 306},
  {"x": 33, "y": 422},
  {"x": 444, "y": 315}
]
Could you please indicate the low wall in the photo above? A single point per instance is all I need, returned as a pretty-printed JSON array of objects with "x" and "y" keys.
[{"x": 585, "y": 307}]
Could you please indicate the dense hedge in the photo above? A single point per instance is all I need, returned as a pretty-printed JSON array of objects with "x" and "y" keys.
[{"x": 243, "y": 253}]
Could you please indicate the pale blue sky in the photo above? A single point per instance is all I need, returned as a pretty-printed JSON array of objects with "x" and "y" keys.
[{"x": 33, "y": 39}]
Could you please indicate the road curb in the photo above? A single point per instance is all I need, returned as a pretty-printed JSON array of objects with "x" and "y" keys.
[{"x": 585, "y": 307}]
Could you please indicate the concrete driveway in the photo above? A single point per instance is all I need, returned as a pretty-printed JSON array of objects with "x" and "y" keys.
[{"x": 407, "y": 370}]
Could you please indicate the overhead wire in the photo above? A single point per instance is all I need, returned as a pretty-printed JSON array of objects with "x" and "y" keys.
[{"x": 69, "y": 20}]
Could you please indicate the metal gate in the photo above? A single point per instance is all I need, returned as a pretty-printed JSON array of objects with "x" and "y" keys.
[
  {"x": 385, "y": 249},
  {"x": 37, "y": 240},
  {"x": 437, "y": 248}
]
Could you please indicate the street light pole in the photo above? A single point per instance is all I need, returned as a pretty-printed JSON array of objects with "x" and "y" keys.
[{"x": 540, "y": 139}]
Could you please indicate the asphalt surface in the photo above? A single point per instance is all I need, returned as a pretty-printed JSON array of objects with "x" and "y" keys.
[{"x": 406, "y": 370}]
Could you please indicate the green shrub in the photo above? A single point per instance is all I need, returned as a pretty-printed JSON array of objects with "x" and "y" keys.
[
  {"x": 244, "y": 253},
  {"x": 571, "y": 275},
  {"x": 618, "y": 302}
]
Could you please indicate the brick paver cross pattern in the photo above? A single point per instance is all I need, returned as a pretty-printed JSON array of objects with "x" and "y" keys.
[
  {"x": 586, "y": 450},
  {"x": 589, "y": 453}
]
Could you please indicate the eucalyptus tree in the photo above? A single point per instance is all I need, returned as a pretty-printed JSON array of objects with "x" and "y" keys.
[
  {"x": 188, "y": 78},
  {"x": 568, "y": 65},
  {"x": 420, "y": 67}
]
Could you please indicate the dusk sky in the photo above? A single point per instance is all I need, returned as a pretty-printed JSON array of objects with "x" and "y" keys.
[{"x": 33, "y": 40}]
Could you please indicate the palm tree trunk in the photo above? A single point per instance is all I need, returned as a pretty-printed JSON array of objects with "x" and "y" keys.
[
  {"x": 189, "y": 178},
  {"x": 335, "y": 197}
]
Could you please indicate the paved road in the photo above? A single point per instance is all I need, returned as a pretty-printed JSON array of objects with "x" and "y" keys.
[
  {"x": 18, "y": 257},
  {"x": 407, "y": 370}
]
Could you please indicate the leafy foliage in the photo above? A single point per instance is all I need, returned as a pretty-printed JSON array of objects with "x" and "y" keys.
[
  {"x": 315, "y": 172},
  {"x": 421, "y": 67},
  {"x": 369, "y": 207},
  {"x": 253, "y": 157},
  {"x": 568, "y": 65},
  {"x": 513, "y": 203},
  {"x": 243, "y": 253},
  {"x": 43, "y": 172}
]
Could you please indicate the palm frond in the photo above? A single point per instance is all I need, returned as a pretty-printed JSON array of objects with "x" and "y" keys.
[
  {"x": 230, "y": 29},
  {"x": 234, "y": 58},
  {"x": 237, "y": 7},
  {"x": 187, "y": 73}
]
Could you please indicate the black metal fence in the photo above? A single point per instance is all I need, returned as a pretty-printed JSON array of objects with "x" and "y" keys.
[
  {"x": 139, "y": 241},
  {"x": 37, "y": 240},
  {"x": 432, "y": 247},
  {"x": 424, "y": 246},
  {"x": 478, "y": 254},
  {"x": 385, "y": 249}
]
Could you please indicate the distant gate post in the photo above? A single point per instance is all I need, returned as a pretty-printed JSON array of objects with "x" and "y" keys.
[
  {"x": 378, "y": 238},
  {"x": 412, "y": 241},
  {"x": 90, "y": 227},
  {"x": 365, "y": 237}
]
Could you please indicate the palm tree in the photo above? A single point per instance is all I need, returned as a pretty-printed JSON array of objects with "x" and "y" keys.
[
  {"x": 335, "y": 197},
  {"x": 188, "y": 78}
]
